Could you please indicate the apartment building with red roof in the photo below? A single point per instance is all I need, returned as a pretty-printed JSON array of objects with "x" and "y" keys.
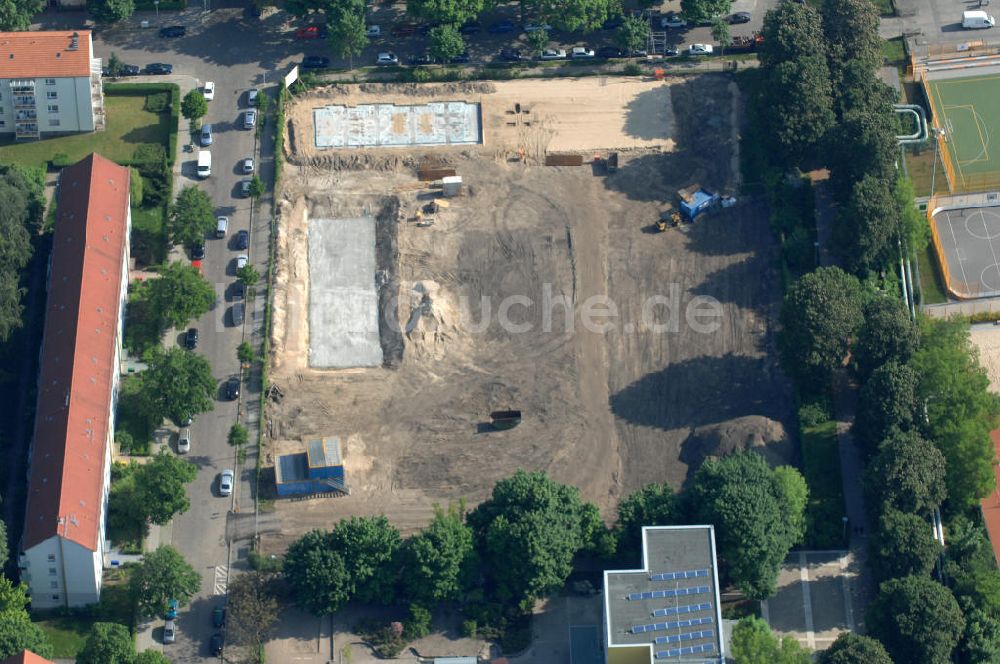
[
  {"x": 50, "y": 83},
  {"x": 63, "y": 544},
  {"x": 26, "y": 657}
]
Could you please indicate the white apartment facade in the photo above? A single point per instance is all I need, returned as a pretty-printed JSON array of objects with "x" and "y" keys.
[{"x": 50, "y": 83}]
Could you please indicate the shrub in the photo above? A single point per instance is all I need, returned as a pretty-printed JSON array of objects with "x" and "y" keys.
[
  {"x": 469, "y": 628},
  {"x": 419, "y": 623},
  {"x": 632, "y": 69},
  {"x": 157, "y": 102},
  {"x": 813, "y": 414},
  {"x": 60, "y": 160}
]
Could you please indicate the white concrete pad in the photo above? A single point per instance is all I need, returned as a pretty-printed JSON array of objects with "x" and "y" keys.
[{"x": 397, "y": 125}]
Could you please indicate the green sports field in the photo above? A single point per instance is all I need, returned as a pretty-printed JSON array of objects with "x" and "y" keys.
[{"x": 966, "y": 108}]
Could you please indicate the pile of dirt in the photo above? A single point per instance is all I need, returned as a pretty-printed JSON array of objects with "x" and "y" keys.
[
  {"x": 433, "y": 320},
  {"x": 761, "y": 434}
]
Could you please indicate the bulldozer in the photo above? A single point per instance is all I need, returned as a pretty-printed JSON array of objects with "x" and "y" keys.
[{"x": 668, "y": 219}]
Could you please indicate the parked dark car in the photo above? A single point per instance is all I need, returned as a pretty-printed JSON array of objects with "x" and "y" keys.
[
  {"x": 198, "y": 252},
  {"x": 315, "y": 62},
  {"x": 470, "y": 28},
  {"x": 218, "y": 617},
  {"x": 405, "y": 29},
  {"x": 503, "y": 27},
  {"x": 215, "y": 645},
  {"x": 461, "y": 59},
  {"x": 237, "y": 313},
  {"x": 243, "y": 240},
  {"x": 191, "y": 339},
  {"x": 238, "y": 291},
  {"x": 173, "y": 31},
  {"x": 611, "y": 52},
  {"x": 233, "y": 388},
  {"x": 739, "y": 17},
  {"x": 422, "y": 60},
  {"x": 159, "y": 68},
  {"x": 510, "y": 55}
]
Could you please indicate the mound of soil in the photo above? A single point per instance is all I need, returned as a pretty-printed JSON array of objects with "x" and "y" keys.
[{"x": 761, "y": 434}]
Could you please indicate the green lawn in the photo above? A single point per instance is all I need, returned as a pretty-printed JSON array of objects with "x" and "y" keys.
[
  {"x": 129, "y": 126},
  {"x": 821, "y": 465},
  {"x": 149, "y": 244},
  {"x": 68, "y": 632},
  {"x": 931, "y": 290},
  {"x": 893, "y": 52}
]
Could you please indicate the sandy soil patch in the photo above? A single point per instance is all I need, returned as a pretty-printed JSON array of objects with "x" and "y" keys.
[
  {"x": 606, "y": 410},
  {"x": 987, "y": 339}
]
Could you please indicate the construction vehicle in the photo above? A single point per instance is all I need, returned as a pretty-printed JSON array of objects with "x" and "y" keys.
[
  {"x": 668, "y": 219},
  {"x": 505, "y": 419}
]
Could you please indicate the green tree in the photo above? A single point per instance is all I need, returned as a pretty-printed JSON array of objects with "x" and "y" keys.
[
  {"x": 248, "y": 275},
  {"x": 238, "y": 435},
  {"x": 370, "y": 547},
  {"x": 754, "y": 643},
  {"x": 194, "y": 107},
  {"x": 244, "y": 352},
  {"x": 446, "y": 12},
  {"x": 13, "y": 598},
  {"x": 652, "y": 505},
  {"x": 696, "y": 11},
  {"x": 348, "y": 36},
  {"x": 437, "y": 558},
  {"x": 851, "y": 29},
  {"x": 15, "y": 247},
  {"x": 908, "y": 474},
  {"x": 192, "y": 217},
  {"x": 867, "y": 231},
  {"x": 633, "y": 34},
  {"x": 252, "y": 609},
  {"x": 903, "y": 544},
  {"x": 887, "y": 402},
  {"x": 538, "y": 41},
  {"x": 18, "y": 633},
  {"x": 256, "y": 187},
  {"x": 115, "y": 69},
  {"x": 756, "y": 521},
  {"x": 960, "y": 410},
  {"x": 916, "y": 231},
  {"x": 791, "y": 32},
  {"x": 163, "y": 575},
  {"x": 980, "y": 642},
  {"x": 795, "y": 495},
  {"x": 316, "y": 573},
  {"x": 178, "y": 295},
  {"x": 721, "y": 33},
  {"x": 851, "y": 648},
  {"x": 799, "y": 102},
  {"x": 151, "y": 657},
  {"x": 177, "y": 384},
  {"x": 110, "y": 11},
  {"x": 107, "y": 643},
  {"x": 865, "y": 141},
  {"x": 446, "y": 42},
  {"x": 16, "y": 15},
  {"x": 527, "y": 533},
  {"x": 418, "y": 624},
  {"x": 821, "y": 314},
  {"x": 887, "y": 334},
  {"x": 160, "y": 490},
  {"x": 576, "y": 15},
  {"x": 4, "y": 550},
  {"x": 917, "y": 619}
]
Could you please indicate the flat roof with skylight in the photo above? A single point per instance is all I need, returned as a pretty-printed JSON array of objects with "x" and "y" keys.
[{"x": 668, "y": 611}]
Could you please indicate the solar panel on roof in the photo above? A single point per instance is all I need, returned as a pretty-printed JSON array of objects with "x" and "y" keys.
[
  {"x": 670, "y": 576},
  {"x": 687, "y": 650},
  {"x": 679, "y": 610},
  {"x": 676, "y": 624}
]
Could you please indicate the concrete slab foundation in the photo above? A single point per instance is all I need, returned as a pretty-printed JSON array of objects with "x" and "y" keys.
[
  {"x": 391, "y": 125},
  {"x": 343, "y": 299}
]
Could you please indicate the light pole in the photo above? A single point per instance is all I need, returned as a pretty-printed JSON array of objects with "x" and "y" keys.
[
  {"x": 844, "y": 519},
  {"x": 156, "y": 5}
]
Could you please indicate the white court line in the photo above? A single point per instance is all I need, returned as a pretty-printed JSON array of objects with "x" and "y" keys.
[
  {"x": 807, "y": 600},
  {"x": 848, "y": 604},
  {"x": 985, "y": 285}
]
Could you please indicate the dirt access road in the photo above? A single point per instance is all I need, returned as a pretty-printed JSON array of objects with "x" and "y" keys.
[{"x": 606, "y": 411}]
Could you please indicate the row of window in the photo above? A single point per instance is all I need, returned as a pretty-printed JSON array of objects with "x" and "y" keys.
[
  {"x": 52, "y": 123},
  {"x": 50, "y": 94},
  {"x": 52, "y": 108}
]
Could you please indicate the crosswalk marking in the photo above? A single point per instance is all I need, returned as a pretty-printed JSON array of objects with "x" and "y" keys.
[{"x": 221, "y": 579}]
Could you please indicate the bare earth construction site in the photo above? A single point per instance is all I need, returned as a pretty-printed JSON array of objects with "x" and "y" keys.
[{"x": 605, "y": 410}]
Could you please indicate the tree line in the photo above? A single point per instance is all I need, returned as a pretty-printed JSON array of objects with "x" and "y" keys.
[
  {"x": 519, "y": 545},
  {"x": 924, "y": 412}
]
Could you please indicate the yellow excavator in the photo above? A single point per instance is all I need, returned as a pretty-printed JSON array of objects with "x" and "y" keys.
[{"x": 668, "y": 218}]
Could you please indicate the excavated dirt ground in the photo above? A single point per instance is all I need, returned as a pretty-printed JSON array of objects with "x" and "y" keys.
[{"x": 606, "y": 411}]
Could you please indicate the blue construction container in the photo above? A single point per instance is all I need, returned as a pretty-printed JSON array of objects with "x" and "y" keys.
[
  {"x": 694, "y": 200},
  {"x": 317, "y": 470}
]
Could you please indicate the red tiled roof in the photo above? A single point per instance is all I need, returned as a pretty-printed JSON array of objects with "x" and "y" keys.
[
  {"x": 26, "y": 657},
  {"x": 78, "y": 354},
  {"x": 991, "y": 503},
  {"x": 44, "y": 54}
]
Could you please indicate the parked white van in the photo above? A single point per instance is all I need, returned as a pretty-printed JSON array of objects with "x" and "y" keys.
[
  {"x": 973, "y": 20},
  {"x": 204, "y": 163}
]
